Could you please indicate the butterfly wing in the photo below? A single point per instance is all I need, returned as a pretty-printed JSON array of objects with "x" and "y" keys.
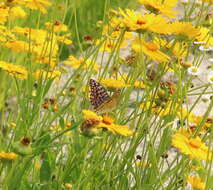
[{"x": 98, "y": 94}]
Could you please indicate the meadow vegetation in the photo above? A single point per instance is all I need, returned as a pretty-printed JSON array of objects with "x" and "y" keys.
[{"x": 106, "y": 94}]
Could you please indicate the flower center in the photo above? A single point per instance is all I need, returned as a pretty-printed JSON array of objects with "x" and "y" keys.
[
  {"x": 194, "y": 70},
  {"x": 151, "y": 46},
  {"x": 195, "y": 143},
  {"x": 140, "y": 22},
  {"x": 107, "y": 120}
]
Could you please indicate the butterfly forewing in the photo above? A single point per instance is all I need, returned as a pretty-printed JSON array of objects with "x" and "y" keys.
[{"x": 98, "y": 94}]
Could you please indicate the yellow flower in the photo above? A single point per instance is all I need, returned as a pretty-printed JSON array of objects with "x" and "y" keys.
[
  {"x": 163, "y": 7},
  {"x": 196, "y": 183},
  {"x": 56, "y": 26},
  {"x": 35, "y": 4},
  {"x": 6, "y": 34},
  {"x": 143, "y": 163},
  {"x": 8, "y": 156},
  {"x": 17, "y": 12},
  {"x": 119, "y": 129},
  {"x": 37, "y": 165},
  {"x": 76, "y": 63},
  {"x": 114, "y": 32},
  {"x": 139, "y": 84},
  {"x": 94, "y": 122},
  {"x": 135, "y": 21},
  {"x": 205, "y": 36},
  {"x": 178, "y": 49},
  {"x": 51, "y": 61},
  {"x": 4, "y": 13},
  {"x": 15, "y": 70},
  {"x": 17, "y": 46},
  {"x": 110, "y": 44},
  {"x": 113, "y": 83},
  {"x": 151, "y": 49},
  {"x": 184, "y": 28},
  {"x": 64, "y": 39},
  {"x": 193, "y": 147},
  {"x": 87, "y": 114},
  {"x": 68, "y": 185},
  {"x": 46, "y": 41}
]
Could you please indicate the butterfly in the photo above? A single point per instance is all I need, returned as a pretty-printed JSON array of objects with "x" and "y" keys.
[{"x": 100, "y": 99}]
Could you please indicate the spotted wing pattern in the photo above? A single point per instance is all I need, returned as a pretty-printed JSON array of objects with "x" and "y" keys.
[{"x": 98, "y": 94}]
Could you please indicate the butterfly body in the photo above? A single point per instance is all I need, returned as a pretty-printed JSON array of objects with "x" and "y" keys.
[{"x": 99, "y": 98}]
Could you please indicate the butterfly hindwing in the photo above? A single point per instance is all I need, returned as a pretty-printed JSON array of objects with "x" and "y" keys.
[{"x": 98, "y": 94}]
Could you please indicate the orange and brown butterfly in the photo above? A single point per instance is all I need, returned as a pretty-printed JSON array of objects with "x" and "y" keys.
[{"x": 100, "y": 99}]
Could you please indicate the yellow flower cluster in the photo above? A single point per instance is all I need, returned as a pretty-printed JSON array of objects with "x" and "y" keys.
[{"x": 14, "y": 70}]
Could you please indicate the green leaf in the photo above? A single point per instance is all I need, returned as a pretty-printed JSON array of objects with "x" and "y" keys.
[
  {"x": 61, "y": 122},
  {"x": 45, "y": 171}
]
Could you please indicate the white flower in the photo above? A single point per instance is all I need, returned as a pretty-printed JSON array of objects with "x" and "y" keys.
[
  {"x": 199, "y": 42},
  {"x": 203, "y": 48},
  {"x": 211, "y": 60},
  {"x": 193, "y": 70},
  {"x": 210, "y": 78}
]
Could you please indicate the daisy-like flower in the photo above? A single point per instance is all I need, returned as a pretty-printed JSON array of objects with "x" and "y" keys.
[
  {"x": 87, "y": 114},
  {"x": 64, "y": 39},
  {"x": 113, "y": 83},
  {"x": 4, "y": 10},
  {"x": 193, "y": 70},
  {"x": 196, "y": 183},
  {"x": 136, "y": 21},
  {"x": 110, "y": 45},
  {"x": 163, "y": 7},
  {"x": 210, "y": 78},
  {"x": 76, "y": 63},
  {"x": 204, "y": 36},
  {"x": 57, "y": 26},
  {"x": 93, "y": 123},
  {"x": 8, "y": 156},
  {"x": 193, "y": 147},
  {"x": 206, "y": 48},
  {"x": 17, "y": 45},
  {"x": 35, "y": 4},
  {"x": 114, "y": 31},
  {"x": 17, "y": 71},
  {"x": 184, "y": 29},
  {"x": 6, "y": 34},
  {"x": 151, "y": 49},
  {"x": 17, "y": 12}
]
